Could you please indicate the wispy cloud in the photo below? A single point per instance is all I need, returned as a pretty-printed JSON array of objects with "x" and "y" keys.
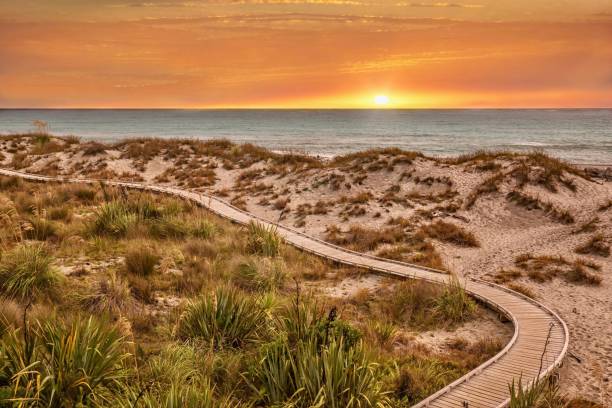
[{"x": 440, "y": 5}]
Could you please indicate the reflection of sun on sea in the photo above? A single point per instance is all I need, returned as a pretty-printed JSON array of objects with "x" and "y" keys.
[{"x": 381, "y": 100}]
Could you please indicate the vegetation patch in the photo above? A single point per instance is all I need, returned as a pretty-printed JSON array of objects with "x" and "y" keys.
[{"x": 544, "y": 268}]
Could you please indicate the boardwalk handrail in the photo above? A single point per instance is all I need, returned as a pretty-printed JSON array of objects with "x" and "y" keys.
[{"x": 189, "y": 195}]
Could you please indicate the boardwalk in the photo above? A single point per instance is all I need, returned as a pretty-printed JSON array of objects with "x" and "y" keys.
[{"x": 540, "y": 339}]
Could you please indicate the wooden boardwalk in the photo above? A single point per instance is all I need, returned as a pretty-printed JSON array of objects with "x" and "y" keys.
[{"x": 540, "y": 339}]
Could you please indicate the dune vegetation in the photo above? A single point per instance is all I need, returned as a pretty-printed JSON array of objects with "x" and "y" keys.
[{"x": 127, "y": 299}]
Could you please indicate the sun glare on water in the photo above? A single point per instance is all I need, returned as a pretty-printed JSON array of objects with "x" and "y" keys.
[{"x": 381, "y": 100}]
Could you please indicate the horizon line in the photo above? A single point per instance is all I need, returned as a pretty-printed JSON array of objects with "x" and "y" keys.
[{"x": 315, "y": 109}]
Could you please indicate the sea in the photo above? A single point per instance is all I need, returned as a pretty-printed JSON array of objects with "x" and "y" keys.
[{"x": 581, "y": 136}]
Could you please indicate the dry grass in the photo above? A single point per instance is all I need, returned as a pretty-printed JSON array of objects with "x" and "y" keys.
[
  {"x": 488, "y": 186},
  {"x": 522, "y": 289},
  {"x": 589, "y": 226},
  {"x": 544, "y": 268},
  {"x": 535, "y": 203},
  {"x": 596, "y": 245},
  {"x": 451, "y": 233}
]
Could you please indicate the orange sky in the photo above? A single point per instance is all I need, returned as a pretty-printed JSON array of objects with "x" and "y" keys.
[{"x": 305, "y": 53}]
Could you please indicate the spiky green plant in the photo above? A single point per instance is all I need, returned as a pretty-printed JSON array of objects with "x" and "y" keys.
[
  {"x": 263, "y": 240},
  {"x": 311, "y": 374},
  {"x": 225, "y": 317},
  {"x": 113, "y": 219},
  {"x": 56, "y": 364},
  {"x": 544, "y": 393},
  {"x": 26, "y": 272}
]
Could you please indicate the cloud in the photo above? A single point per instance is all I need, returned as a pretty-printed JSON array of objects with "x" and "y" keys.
[{"x": 440, "y": 5}]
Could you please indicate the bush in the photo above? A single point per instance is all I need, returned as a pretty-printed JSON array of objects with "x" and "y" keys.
[
  {"x": 263, "y": 240},
  {"x": 225, "y": 317},
  {"x": 59, "y": 364},
  {"x": 26, "y": 272},
  {"x": 141, "y": 260}
]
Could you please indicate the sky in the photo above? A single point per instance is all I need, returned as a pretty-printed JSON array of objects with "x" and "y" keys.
[{"x": 305, "y": 53}]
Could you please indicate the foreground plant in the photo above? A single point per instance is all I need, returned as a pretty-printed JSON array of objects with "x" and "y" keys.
[
  {"x": 317, "y": 362},
  {"x": 56, "y": 364}
]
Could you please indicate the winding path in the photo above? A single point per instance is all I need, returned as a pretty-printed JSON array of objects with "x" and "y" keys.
[{"x": 540, "y": 339}]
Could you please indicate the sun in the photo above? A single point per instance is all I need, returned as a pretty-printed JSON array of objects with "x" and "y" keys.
[{"x": 381, "y": 100}]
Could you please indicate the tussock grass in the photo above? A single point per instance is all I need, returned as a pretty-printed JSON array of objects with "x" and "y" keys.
[
  {"x": 141, "y": 260},
  {"x": 535, "y": 203},
  {"x": 26, "y": 272},
  {"x": 522, "y": 289},
  {"x": 225, "y": 317},
  {"x": 450, "y": 233},
  {"x": 544, "y": 268},
  {"x": 112, "y": 296},
  {"x": 263, "y": 240},
  {"x": 596, "y": 245}
]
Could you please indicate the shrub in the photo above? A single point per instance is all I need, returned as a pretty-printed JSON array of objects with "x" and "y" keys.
[
  {"x": 263, "y": 240},
  {"x": 225, "y": 317},
  {"x": 59, "y": 364},
  {"x": 26, "y": 272},
  {"x": 141, "y": 260}
]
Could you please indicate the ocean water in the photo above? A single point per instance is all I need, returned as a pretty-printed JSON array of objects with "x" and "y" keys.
[{"x": 577, "y": 135}]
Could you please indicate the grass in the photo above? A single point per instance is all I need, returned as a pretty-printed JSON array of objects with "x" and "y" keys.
[
  {"x": 522, "y": 289},
  {"x": 225, "y": 317},
  {"x": 112, "y": 296},
  {"x": 26, "y": 272},
  {"x": 596, "y": 245},
  {"x": 544, "y": 268},
  {"x": 200, "y": 325},
  {"x": 263, "y": 240},
  {"x": 421, "y": 305},
  {"x": 535, "y": 203},
  {"x": 141, "y": 260},
  {"x": 451, "y": 233},
  {"x": 63, "y": 364}
]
